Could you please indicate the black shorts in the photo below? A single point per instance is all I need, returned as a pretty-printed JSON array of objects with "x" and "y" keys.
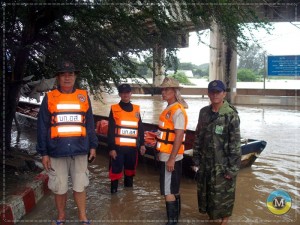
[{"x": 170, "y": 181}]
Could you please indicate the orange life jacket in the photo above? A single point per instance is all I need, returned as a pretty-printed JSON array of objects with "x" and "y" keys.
[
  {"x": 68, "y": 113},
  {"x": 166, "y": 137},
  {"x": 126, "y": 131}
]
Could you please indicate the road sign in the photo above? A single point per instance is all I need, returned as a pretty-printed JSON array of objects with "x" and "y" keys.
[{"x": 284, "y": 65}]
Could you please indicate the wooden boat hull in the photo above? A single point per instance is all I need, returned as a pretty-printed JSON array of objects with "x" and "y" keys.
[
  {"x": 26, "y": 114},
  {"x": 250, "y": 148}
]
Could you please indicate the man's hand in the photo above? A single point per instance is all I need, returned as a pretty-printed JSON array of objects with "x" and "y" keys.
[
  {"x": 195, "y": 168},
  {"x": 227, "y": 177},
  {"x": 170, "y": 164},
  {"x": 92, "y": 155},
  {"x": 113, "y": 154},
  {"x": 46, "y": 162},
  {"x": 142, "y": 149}
]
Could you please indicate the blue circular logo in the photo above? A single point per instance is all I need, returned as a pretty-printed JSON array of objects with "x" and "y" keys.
[{"x": 279, "y": 202}]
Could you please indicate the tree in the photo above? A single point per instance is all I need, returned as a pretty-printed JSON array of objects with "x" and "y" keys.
[
  {"x": 252, "y": 58},
  {"x": 101, "y": 36},
  {"x": 200, "y": 72},
  {"x": 186, "y": 66}
]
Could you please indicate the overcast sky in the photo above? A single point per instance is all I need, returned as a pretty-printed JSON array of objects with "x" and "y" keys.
[{"x": 284, "y": 40}]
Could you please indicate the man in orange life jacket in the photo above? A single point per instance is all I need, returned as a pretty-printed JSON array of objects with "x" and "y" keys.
[
  {"x": 170, "y": 144},
  {"x": 125, "y": 136},
  {"x": 66, "y": 135}
]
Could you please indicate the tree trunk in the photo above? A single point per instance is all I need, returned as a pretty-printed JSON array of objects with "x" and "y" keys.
[
  {"x": 12, "y": 92},
  {"x": 14, "y": 80},
  {"x": 12, "y": 89}
]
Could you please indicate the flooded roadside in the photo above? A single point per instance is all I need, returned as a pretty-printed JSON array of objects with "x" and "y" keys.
[
  {"x": 276, "y": 168},
  {"x": 24, "y": 162}
]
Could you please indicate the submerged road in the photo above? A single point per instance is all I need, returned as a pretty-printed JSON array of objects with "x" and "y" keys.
[{"x": 276, "y": 168}]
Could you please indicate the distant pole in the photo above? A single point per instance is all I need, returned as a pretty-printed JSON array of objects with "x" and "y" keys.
[{"x": 265, "y": 70}]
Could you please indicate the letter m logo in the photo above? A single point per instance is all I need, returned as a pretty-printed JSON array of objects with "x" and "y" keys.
[{"x": 279, "y": 202}]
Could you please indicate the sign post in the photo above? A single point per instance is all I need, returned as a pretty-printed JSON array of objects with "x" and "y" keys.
[{"x": 265, "y": 70}]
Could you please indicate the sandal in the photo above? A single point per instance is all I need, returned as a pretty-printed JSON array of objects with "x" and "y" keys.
[
  {"x": 86, "y": 222},
  {"x": 58, "y": 222}
]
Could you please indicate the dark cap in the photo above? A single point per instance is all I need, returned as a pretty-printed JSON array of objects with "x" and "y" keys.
[
  {"x": 123, "y": 88},
  {"x": 65, "y": 66},
  {"x": 216, "y": 85}
]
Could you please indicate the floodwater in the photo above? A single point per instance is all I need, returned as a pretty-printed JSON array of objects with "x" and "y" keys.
[{"x": 276, "y": 168}]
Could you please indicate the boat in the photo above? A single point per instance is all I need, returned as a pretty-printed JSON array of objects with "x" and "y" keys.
[
  {"x": 250, "y": 148},
  {"x": 26, "y": 112}
]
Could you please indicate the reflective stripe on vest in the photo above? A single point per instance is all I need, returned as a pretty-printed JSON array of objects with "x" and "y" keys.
[
  {"x": 68, "y": 113},
  {"x": 126, "y": 131},
  {"x": 166, "y": 137}
]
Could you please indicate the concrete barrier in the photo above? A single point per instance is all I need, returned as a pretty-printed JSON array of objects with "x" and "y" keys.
[
  {"x": 244, "y": 96},
  {"x": 24, "y": 200},
  {"x": 267, "y": 100}
]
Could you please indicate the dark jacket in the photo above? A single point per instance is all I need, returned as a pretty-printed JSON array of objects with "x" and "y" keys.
[{"x": 62, "y": 147}]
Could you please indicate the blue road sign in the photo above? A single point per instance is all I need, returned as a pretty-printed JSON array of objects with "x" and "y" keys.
[{"x": 284, "y": 65}]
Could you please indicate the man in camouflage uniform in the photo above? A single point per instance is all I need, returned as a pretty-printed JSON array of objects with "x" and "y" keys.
[{"x": 217, "y": 154}]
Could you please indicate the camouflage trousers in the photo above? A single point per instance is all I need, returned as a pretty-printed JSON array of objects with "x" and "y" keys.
[{"x": 216, "y": 194}]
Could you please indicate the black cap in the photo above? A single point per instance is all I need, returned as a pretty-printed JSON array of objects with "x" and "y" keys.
[
  {"x": 123, "y": 88},
  {"x": 216, "y": 85},
  {"x": 65, "y": 66}
]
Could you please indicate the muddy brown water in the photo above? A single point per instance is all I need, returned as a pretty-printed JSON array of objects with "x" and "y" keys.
[{"x": 276, "y": 168}]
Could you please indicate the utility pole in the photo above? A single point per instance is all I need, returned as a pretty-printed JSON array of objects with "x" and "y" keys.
[{"x": 265, "y": 70}]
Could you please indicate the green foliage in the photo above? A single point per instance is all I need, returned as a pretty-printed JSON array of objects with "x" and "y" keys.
[
  {"x": 200, "y": 73},
  {"x": 246, "y": 75},
  {"x": 182, "y": 78},
  {"x": 186, "y": 66},
  {"x": 101, "y": 38},
  {"x": 202, "y": 70},
  {"x": 283, "y": 77},
  {"x": 252, "y": 58},
  {"x": 198, "y": 70}
]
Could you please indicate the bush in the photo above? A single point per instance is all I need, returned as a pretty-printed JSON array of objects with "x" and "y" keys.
[
  {"x": 246, "y": 75},
  {"x": 182, "y": 78}
]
